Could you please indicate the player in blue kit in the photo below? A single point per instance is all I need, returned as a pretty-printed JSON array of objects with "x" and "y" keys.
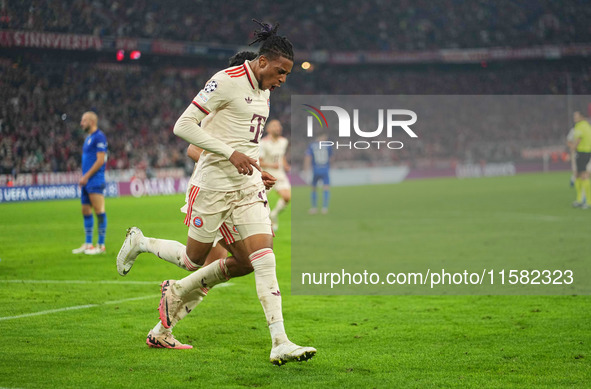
[
  {"x": 318, "y": 156},
  {"x": 92, "y": 183}
]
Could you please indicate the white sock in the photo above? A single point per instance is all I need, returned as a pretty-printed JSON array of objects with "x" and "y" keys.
[
  {"x": 169, "y": 250},
  {"x": 203, "y": 279},
  {"x": 193, "y": 299},
  {"x": 159, "y": 329},
  {"x": 263, "y": 262},
  {"x": 278, "y": 208},
  {"x": 278, "y": 334}
]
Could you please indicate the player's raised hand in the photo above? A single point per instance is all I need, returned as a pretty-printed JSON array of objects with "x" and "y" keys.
[
  {"x": 243, "y": 163},
  {"x": 268, "y": 180}
]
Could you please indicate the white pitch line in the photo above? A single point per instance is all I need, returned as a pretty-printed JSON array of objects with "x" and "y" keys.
[
  {"x": 81, "y": 282},
  {"x": 93, "y": 282},
  {"x": 76, "y": 307},
  {"x": 87, "y": 305}
]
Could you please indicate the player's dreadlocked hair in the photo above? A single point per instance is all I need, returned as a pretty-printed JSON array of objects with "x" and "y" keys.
[
  {"x": 273, "y": 44},
  {"x": 239, "y": 58}
]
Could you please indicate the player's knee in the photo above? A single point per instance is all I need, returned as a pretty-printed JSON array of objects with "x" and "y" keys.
[
  {"x": 238, "y": 268},
  {"x": 244, "y": 269},
  {"x": 195, "y": 256}
]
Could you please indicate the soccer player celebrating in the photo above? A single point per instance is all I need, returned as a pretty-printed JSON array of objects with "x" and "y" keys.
[
  {"x": 227, "y": 194},
  {"x": 582, "y": 145},
  {"x": 273, "y": 150},
  {"x": 221, "y": 243},
  {"x": 318, "y": 156},
  {"x": 92, "y": 183},
  {"x": 219, "y": 250}
]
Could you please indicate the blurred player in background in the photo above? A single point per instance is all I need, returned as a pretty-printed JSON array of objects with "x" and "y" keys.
[
  {"x": 273, "y": 159},
  {"x": 570, "y": 142},
  {"x": 240, "y": 57},
  {"x": 227, "y": 195},
  {"x": 582, "y": 145},
  {"x": 92, "y": 184},
  {"x": 318, "y": 157}
]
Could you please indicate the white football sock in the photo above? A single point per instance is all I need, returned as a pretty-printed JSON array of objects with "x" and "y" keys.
[
  {"x": 205, "y": 278},
  {"x": 159, "y": 329},
  {"x": 278, "y": 333},
  {"x": 263, "y": 262},
  {"x": 278, "y": 208},
  {"x": 169, "y": 250},
  {"x": 193, "y": 299}
]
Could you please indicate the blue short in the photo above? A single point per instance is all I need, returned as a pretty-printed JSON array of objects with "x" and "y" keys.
[
  {"x": 91, "y": 188},
  {"x": 321, "y": 176}
]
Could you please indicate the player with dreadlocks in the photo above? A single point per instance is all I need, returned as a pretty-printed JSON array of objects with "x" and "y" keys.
[
  {"x": 228, "y": 195},
  {"x": 220, "y": 250}
]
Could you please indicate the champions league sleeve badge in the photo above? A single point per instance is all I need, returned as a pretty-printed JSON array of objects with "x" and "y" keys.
[{"x": 210, "y": 86}]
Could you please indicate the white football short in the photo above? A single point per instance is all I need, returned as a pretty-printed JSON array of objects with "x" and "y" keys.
[
  {"x": 213, "y": 215},
  {"x": 282, "y": 182}
]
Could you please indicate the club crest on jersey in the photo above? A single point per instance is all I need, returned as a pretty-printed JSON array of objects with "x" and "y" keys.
[
  {"x": 198, "y": 222},
  {"x": 235, "y": 229},
  {"x": 248, "y": 100},
  {"x": 210, "y": 86},
  {"x": 269, "y": 103}
]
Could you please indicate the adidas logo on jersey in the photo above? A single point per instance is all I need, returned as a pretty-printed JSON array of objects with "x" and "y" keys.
[{"x": 248, "y": 100}]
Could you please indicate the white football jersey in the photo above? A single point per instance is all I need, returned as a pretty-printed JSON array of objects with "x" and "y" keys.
[
  {"x": 273, "y": 151},
  {"x": 237, "y": 111}
]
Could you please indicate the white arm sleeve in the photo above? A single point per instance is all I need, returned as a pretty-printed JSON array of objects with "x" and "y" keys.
[{"x": 187, "y": 127}]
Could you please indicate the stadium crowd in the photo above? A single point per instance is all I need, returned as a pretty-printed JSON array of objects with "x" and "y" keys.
[
  {"x": 40, "y": 131},
  {"x": 44, "y": 93},
  {"x": 328, "y": 25},
  {"x": 138, "y": 105}
]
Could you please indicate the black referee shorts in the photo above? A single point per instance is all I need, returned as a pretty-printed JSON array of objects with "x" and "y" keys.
[{"x": 582, "y": 161}]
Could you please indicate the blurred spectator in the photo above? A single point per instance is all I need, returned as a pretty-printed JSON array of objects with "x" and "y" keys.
[
  {"x": 327, "y": 25},
  {"x": 139, "y": 105},
  {"x": 39, "y": 124}
]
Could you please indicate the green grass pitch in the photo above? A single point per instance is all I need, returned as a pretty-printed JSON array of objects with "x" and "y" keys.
[{"x": 72, "y": 322}]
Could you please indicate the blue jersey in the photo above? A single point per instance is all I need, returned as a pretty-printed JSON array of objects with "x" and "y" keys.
[
  {"x": 320, "y": 157},
  {"x": 94, "y": 143}
]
